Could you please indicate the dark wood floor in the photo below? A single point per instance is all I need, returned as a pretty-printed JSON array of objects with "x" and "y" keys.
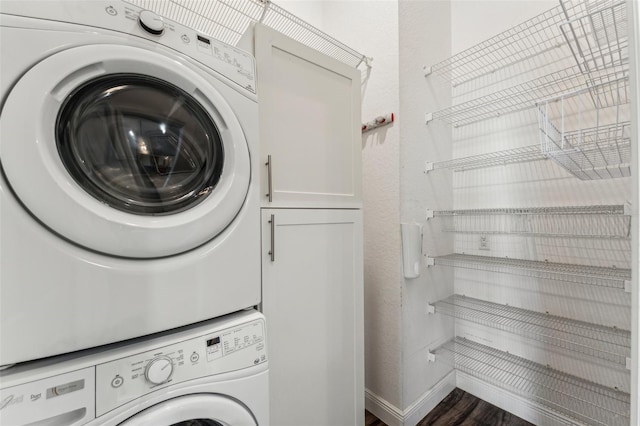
[{"x": 461, "y": 408}]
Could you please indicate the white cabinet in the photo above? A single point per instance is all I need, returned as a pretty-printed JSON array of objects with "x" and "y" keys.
[
  {"x": 309, "y": 125},
  {"x": 313, "y": 301}
]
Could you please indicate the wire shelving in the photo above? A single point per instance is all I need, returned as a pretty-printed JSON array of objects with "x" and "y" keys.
[
  {"x": 536, "y": 36},
  {"x": 609, "y": 221},
  {"x": 228, "y": 20},
  {"x": 568, "y": 395},
  {"x": 527, "y": 95},
  {"x": 599, "y": 152},
  {"x": 598, "y": 39},
  {"x": 497, "y": 158},
  {"x": 549, "y": 33},
  {"x": 610, "y": 277},
  {"x": 606, "y": 343}
]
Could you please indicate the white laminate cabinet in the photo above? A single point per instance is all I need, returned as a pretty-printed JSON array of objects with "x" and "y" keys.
[
  {"x": 309, "y": 125},
  {"x": 313, "y": 300}
]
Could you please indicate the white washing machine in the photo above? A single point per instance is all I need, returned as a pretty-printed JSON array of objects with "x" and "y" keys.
[
  {"x": 128, "y": 195},
  {"x": 211, "y": 374}
]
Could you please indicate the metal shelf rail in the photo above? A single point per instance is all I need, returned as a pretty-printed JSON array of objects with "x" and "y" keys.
[
  {"x": 582, "y": 400},
  {"x": 598, "y": 39},
  {"x": 526, "y": 95},
  {"x": 605, "y": 343},
  {"x": 615, "y": 278},
  {"x": 228, "y": 20},
  {"x": 611, "y": 221},
  {"x": 499, "y": 158}
]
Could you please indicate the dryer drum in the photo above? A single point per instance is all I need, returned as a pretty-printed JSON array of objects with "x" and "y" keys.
[{"x": 139, "y": 144}]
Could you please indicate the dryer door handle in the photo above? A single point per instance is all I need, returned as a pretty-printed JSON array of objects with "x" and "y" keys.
[{"x": 272, "y": 250}]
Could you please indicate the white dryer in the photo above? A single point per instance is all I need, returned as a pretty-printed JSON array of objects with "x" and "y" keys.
[
  {"x": 211, "y": 374},
  {"x": 128, "y": 192}
]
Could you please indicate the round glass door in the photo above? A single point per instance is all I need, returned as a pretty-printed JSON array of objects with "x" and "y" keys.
[
  {"x": 139, "y": 144},
  {"x": 127, "y": 151}
]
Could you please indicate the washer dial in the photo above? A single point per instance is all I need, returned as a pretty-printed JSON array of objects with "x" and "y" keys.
[
  {"x": 159, "y": 370},
  {"x": 151, "y": 22}
]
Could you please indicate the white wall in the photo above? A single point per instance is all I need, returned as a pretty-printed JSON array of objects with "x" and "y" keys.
[{"x": 424, "y": 41}]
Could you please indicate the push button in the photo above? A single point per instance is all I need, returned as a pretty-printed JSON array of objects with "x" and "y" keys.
[{"x": 117, "y": 381}]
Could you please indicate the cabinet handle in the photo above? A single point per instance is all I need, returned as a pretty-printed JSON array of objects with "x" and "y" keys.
[
  {"x": 269, "y": 179},
  {"x": 272, "y": 251}
]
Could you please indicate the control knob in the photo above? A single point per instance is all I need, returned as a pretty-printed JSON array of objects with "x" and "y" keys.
[
  {"x": 151, "y": 22},
  {"x": 159, "y": 370}
]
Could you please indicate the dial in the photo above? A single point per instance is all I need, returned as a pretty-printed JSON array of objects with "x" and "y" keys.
[
  {"x": 151, "y": 22},
  {"x": 159, "y": 370}
]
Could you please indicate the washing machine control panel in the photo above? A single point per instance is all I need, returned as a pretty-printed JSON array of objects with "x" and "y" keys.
[
  {"x": 235, "y": 65},
  {"x": 231, "y": 349}
]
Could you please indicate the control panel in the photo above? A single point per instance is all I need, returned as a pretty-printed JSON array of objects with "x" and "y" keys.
[
  {"x": 231, "y": 349},
  {"x": 235, "y": 65},
  {"x": 68, "y": 397}
]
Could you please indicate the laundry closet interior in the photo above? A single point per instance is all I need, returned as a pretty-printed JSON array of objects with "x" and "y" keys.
[
  {"x": 514, "y": 153},
  {"x": 404, "y": 197}
]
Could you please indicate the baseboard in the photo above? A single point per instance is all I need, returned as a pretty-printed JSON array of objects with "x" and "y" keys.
[
  {"x": 393, "y": 416},
  {"x": 382, "y": 409},
  {"x": 514, "y": 404}
]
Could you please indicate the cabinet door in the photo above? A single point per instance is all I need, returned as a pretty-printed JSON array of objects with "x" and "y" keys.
[
  {"x": 310, "y": 125},
  {"x": 313, "y": 302}
]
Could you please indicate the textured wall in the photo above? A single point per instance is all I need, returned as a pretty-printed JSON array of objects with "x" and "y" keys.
[{"x": 424, "y": 41}]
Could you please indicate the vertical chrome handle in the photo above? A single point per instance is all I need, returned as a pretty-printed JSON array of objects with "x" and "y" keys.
[
  {"x": 269, "y": 179},
  {"x": 272, "y": 251}
]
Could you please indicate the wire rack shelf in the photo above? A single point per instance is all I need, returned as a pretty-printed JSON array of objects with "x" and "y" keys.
[
  {"x": 612, "y": 277},
  {"x": 527, "y": 95},
  {"x": 611, "y": 221},
  {"x": 598, "y": 39},
  {"x": 498, "y": 158},
  {"x": 582, "y": 400},
  {"x": 228, "y": 20},
  {"x": 605, "y": 343},
  {"x": 527, "y": 40},
  {"x": 541, "y": 35},
  {"x": 599, "y": 152}
]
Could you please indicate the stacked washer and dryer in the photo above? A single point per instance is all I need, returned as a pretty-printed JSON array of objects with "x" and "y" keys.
[{"x": 130, "y": 254}]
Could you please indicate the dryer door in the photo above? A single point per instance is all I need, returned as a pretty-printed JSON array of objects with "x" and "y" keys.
[
  {"x": 124, "y": 151},
  {"x": 194, "y": 410}
]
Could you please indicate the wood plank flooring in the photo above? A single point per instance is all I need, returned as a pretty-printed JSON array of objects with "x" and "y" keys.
[{"x": 464, "y": 409}]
